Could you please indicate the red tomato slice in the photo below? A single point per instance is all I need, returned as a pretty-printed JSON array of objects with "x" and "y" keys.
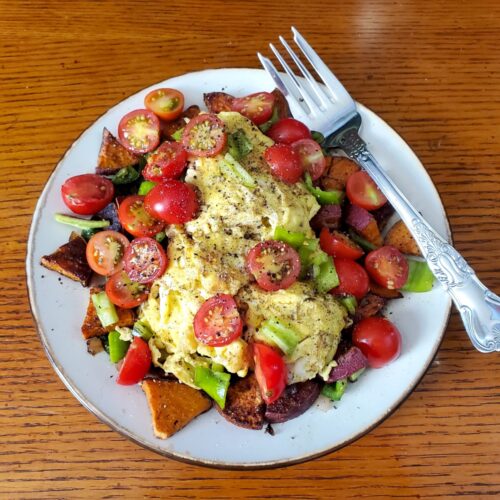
[
  {"x": 174, "y": 202},
  {"x": 388, "y": 267},
  {"x": 105, "y": 252},
  {"x": 270, "y": 370},
  {"x": 204, "y": 136},
  {"x": 274, "y": 264},
  {"x": 352, "y": 277},
  {"x": 378, "y": 339},
  {"x": 337, "y": 244},
  {"x": 139, "y": 131},
  {"x": 288, "y": 131},
  {"x": 257, "y": 107},
  {"x": 167, "y": 104},
  {"x": 144, "y": 260},
  {"x": 87, "y": 194},
  {"x": 166, "y": 162},
  {"x": 136, "y": 363},
  {"x": 362, "y": 191},
  {"x": 218, "y": 323},
  {"x": 311, "y": 156},
  {"x": 135, "y": 219},
  {"x": 125, "y": 293},
  {"x": 284, "y": 162}
]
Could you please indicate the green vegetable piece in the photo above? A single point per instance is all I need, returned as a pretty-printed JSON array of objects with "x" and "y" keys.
[
  {"x": 117, "y": 347},
  {"x": 317, "y": 136},
  {"x": 125, "y": 175},
  {"x": 81, "y": 223},
  {"x": 366, "y": 245},
  {"x": 280, "y": 335},
  {"x": 274, "y": 118},
  {"x": 323, "y": 197},
  {"x": 159, "y": 237},
  {"x": 88, "y": 233},
  {"x": 336, "y": 390},
  {"x": 105, "y": 342},
  {"x": 325, "y": 277},
  {"x": 420, "y": 277},
  {"x": 105, "y": 309},
  {"x": 145, "y": 187},
  {"x": 239, "y": 145},
  {"x": 231, "y": 167},
  {"x": 311, "y": 254},
  {"x": 354, "y": 377},
  {"x": 217, "y": 367},
  {"x": 215, "y": 384},
  {"x": 293, "y": 239},
  {"x": 350, "y": 303},
  {"x": 177, "y": 135},
  {"x": 141, "y": 330}
]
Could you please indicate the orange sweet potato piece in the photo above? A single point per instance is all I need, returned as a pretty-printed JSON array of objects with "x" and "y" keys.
[
  {"x": 400, "y": 237},
  {"x": 338, "y": 171},
  {"x": 113, "y": 156}
]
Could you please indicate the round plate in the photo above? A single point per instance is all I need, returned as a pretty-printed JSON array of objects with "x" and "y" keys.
[{"x": 59, "y": 305}]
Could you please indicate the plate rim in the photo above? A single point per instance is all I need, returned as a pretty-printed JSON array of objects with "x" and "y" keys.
[{"x": 115, "y": 426}]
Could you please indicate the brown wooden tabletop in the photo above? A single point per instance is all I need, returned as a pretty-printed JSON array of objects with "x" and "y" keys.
[{"x": 430, "y": 69}]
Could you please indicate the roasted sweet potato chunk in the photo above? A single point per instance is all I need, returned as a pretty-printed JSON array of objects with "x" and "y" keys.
[
  {"x": 400, "y": 237},
  {"x": 364, "y": 224},
  {"x": 338, "y": 171},
  {"x": 173, "y": 405},
  {"x": 370, "y": 305},
  {"x": 113, "y": 156},
  {"x": 383, "y": 292},
  {"x": 218, "y": 101}
]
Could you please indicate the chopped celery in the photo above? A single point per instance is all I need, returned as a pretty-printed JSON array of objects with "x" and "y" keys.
[
  {"x": 317, "y": 136},
  {"x": 350, "y": 303},
  {"x": 326, "y": 276},
  {"x": 238, "y": 145},
  {"x": 293, "y": 239},
  {"x": 215, "y": 384},
  {"x": 177, "y": 135},
  {"x": 105, "y": 309},
  {"x": 336, "y": 390},
  {"x": 364, "y": 244},
  {"x": 117, "y": 347},
  {"x": 323, "y": 197},
  {"x": 125, "y": 175},
  {"x": 356, "y": 375},
  {"x": 141, "y": 330},
  {"x": 279, "y": 334},
  {"x": 81, "y": 223},
  {"x": 274, "y": 118},
  {"x": 420, "y": 277},
  {"x": 146, "y": 187},
  {"x": 233, "y": 168}
]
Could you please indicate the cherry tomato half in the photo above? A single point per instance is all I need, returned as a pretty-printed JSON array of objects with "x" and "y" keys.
[
  {"x": 166, "y": 162},
  {"x": 136, "y": 363},
  {"x": 204, "y": 136},
  {"x": 362, "y": 191},
  {"x": 337, "y": 244},
  {"x": 257, "y": 107},
  {"x": 105, "y": 252},
  {"x": 311, "y": 156},
  {"x": 167, "y": 104},
  {"x": 144, "y": 260},
  {"x": 218, "y": 323},
  {"x": 174, "y": 202},
  {"x": 288, "y": 131},
  {"x": 388, "y": 267},
  {"x": 135, "y": 219},
  {"x": 270, "y": 370},
  {"x": 139, "y": 131},
  {"x": 274, "y": 264},
  {"x": 87, "y": 194},
  {"x": 352, "y": 277},
  {"x": 378, "y": 339},
  {"x": 125, "y": 293},
  {"x": 284, "y": 162}
]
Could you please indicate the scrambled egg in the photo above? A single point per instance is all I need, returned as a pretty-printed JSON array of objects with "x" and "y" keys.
[{"x": 207, "y": 256}]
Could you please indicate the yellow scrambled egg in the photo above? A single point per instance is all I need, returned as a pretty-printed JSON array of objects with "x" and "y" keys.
[{"x": 207, "y": 256}]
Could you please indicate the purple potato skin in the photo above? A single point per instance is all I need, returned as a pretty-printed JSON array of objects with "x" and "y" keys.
[{"x": 348, "y": 363}]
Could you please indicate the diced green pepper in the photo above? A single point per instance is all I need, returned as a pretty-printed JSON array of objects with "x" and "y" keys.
[
  {"x": 326, "y": 276},
  {"x": 117, "y": 347},
  {"x": 354, "y": 377},
  {"x": 274, "y": 118},
  {"x": 141, "y": 330},
  {"x": 420, "y": 277},
  {"x": 350, "y": 303},
  {"x": 238, "y": 145},
  {"x": 311, "y": 254},
  {"x": 293, "y": 239},
  {"x": 323, "y": 197},
  {"x": 88, "y": 233},
  {"x": 81, "y": 223},
  {"x": 125, "y": 175},
  {"x": 145, "y": 187},
  {"x": 317, "y": 136},
  {"x": 217, "y": 367},
  {"x": 364, "y": 244},
  {"x": 215, "y": 384},
  {"x": 336, "y": 390},
  {"x": 277, "y": 333},
  {"x": 177, "y": 135},
  {"x": 233, "y": 168},
  {"x": 105, "y": 309},
  {"x": 159, "y": 237}
]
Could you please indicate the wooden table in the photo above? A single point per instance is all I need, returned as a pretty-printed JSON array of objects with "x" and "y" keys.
[{"x": 430, "y": 69}]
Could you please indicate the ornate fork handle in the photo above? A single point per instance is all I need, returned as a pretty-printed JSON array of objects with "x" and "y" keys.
[{"x": 478, "y": 306}]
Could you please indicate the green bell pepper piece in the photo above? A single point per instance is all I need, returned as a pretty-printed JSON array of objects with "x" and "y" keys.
[
  {"x": 280, "y": 335},
  {"x": 117, "y": 347},
  {"x": 325, "y": 276},
  {"x": 323, "y": 197},
  {"x": 215, "y": 384},
  {"x": 293, "y": 239},
  {"x": 177, "y": 135},
  {"x": 125, "y": 175},
  {"x": 336, "y": 390},
  {"x": 146, "y": 187},
  {"x": 350, "y": 303},
  {"x": 420, "y": 277}
]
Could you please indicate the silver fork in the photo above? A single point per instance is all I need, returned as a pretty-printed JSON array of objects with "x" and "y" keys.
[{"x": 331, "y": 110}]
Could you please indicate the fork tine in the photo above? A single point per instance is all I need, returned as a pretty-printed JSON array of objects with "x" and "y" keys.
[{"x": 331, "y": 81}]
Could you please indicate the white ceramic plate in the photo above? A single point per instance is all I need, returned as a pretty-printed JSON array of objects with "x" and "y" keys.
[{"x": 59, "y": 304}]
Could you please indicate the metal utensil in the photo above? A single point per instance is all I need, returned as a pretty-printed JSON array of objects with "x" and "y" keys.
[{"x": 331, "y": 110}]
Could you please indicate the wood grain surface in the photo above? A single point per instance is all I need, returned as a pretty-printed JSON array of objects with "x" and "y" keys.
[{"x": 429, "y": 68}]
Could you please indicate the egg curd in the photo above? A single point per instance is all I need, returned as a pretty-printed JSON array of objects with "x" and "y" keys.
[{"x": 207, "y": 256}]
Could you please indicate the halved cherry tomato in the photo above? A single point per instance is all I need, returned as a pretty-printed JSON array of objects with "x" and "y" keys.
[
  {"x": 274, "y": 264},
  {"x": 388, "y": 267},
  {"x": 136, "y": 363},
  {"x": 204, "y": 136},
  {"x": 174, "y": 202},
  {"x": 352, "y": 277},
  {"x": 135, "y": 219},
  {"x": 105, "y": 252},
  {"x": 362, "y": 191},
  {"x": 167, "y": 104},
  {"x": 218, "y": 322},
  {"x": 257, "y": 107},
  {"x": 337, "y": 244},
  {"x": 139, "y": 131},
  {"x": 87, "y": 194},
  {"x": 166, "y": 162},
  {"x": 311, "y": 156},
  {"x": 144, "y": 260},
  {"x": 288, "y": 131},
  {"x": 125, "y": 293},
  {"x": 378, "y": 339},
  {"x": 270, "y": 370},
  {"x": 284, "y": 162}
]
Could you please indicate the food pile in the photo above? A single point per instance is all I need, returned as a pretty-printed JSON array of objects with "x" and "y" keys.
[{"x": 233, "y": 260}]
